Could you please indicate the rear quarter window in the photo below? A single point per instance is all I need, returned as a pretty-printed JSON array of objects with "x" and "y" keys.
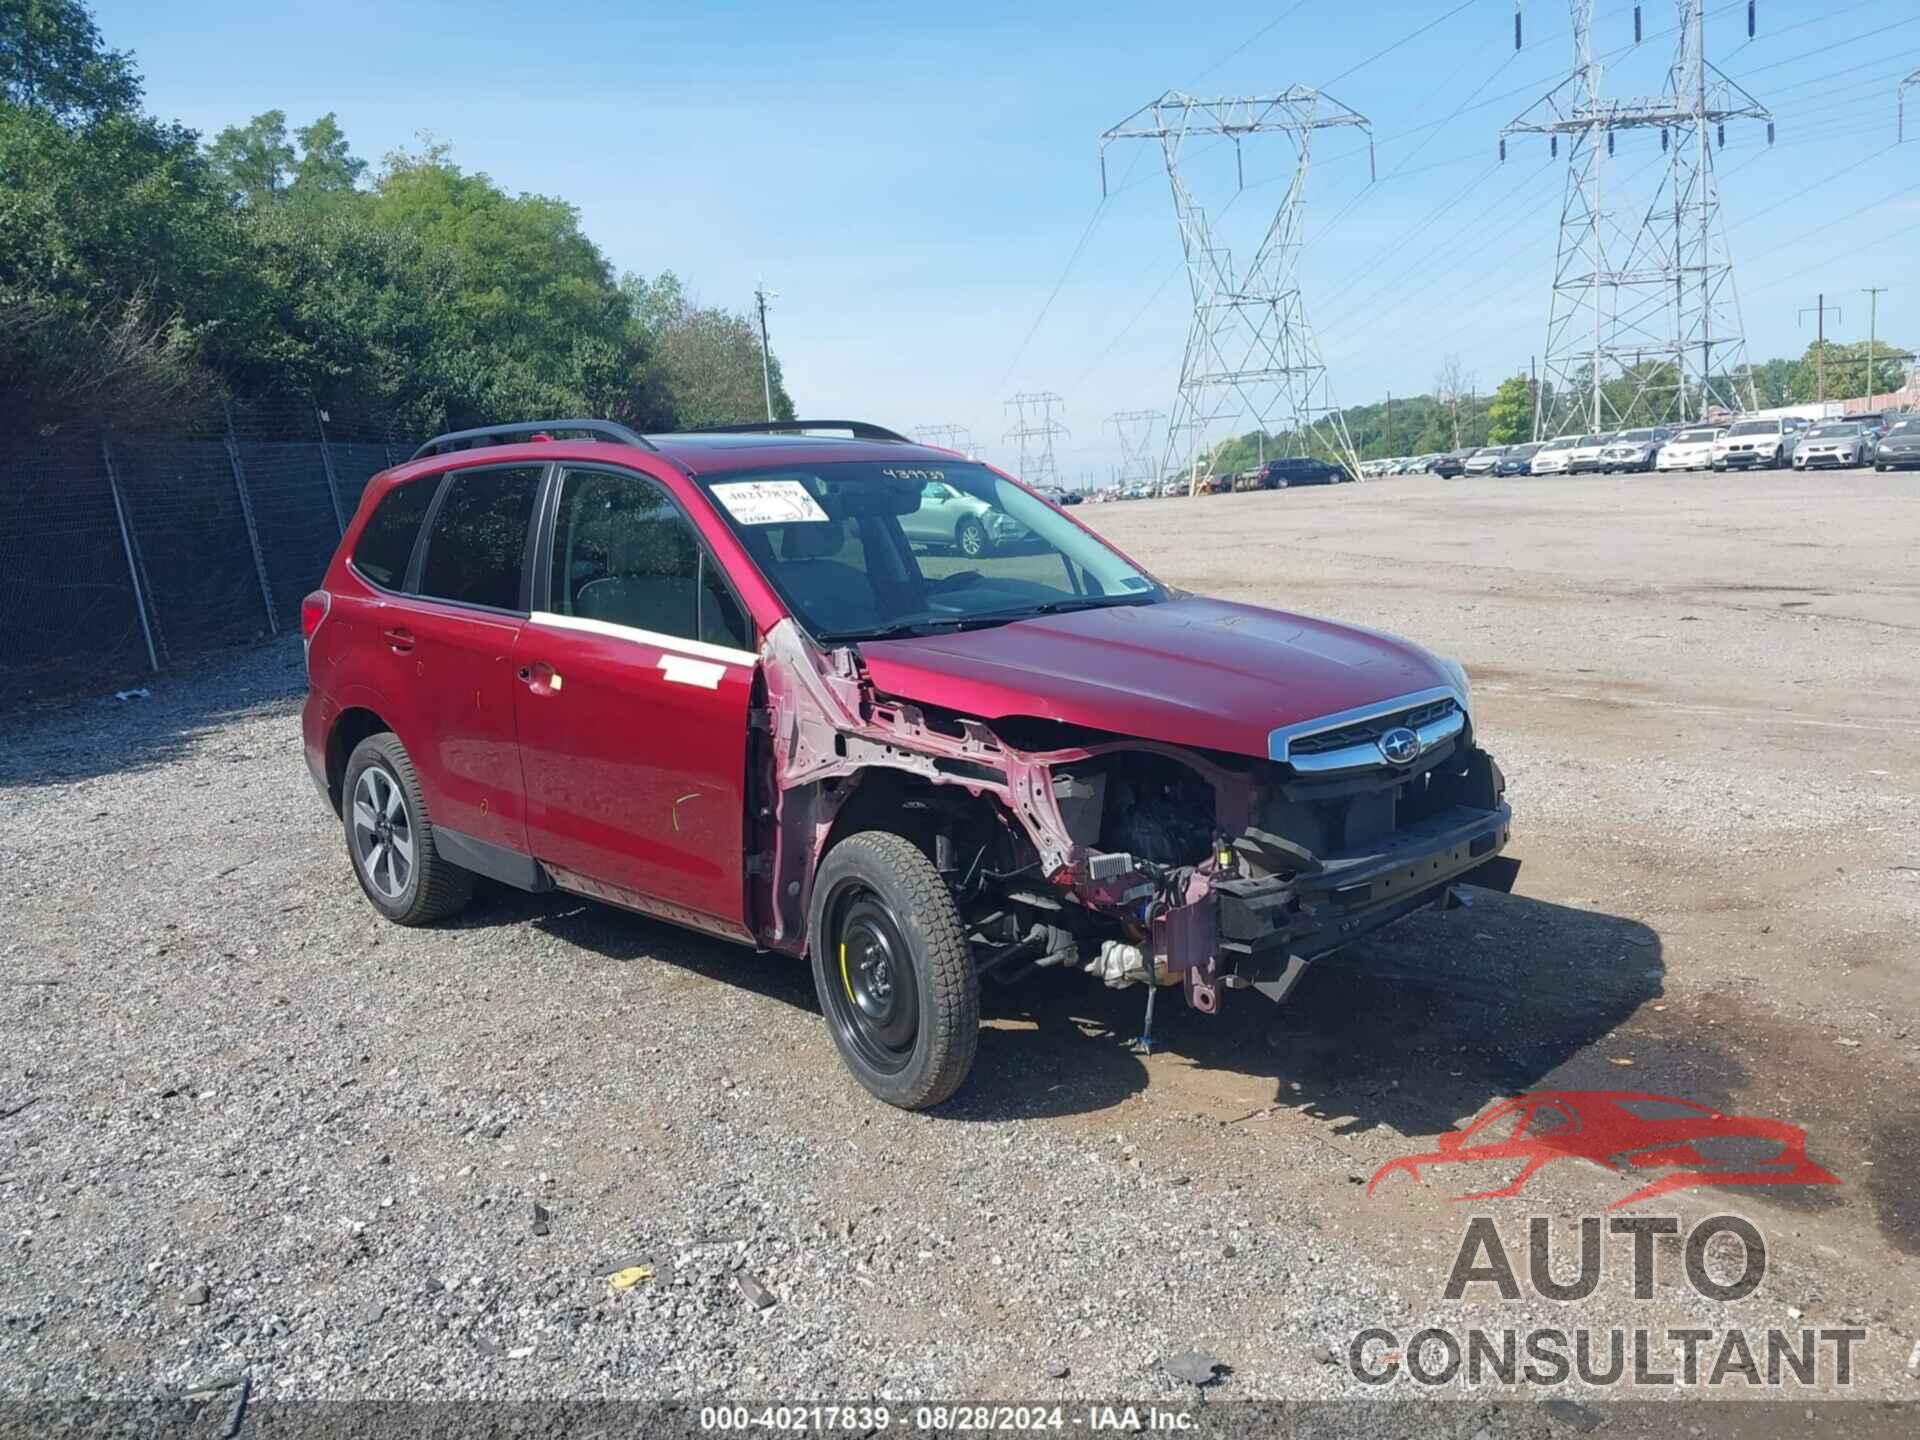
[{"x": 386, "y": 544}]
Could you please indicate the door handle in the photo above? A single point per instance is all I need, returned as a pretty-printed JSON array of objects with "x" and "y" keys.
[
  {"x": 399, "y": 638},
  {"x": 541, "y": 679}
]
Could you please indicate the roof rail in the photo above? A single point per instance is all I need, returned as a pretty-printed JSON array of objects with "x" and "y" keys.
[
  {"x": 859, "y": 429},
  {"x": 608, "y": 430}
]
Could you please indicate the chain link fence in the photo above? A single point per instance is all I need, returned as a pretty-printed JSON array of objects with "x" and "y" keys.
[{"x": 123, "y": 556}]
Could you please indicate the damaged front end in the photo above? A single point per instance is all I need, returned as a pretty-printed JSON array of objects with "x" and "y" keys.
[{"x": 1137, "y": 861}]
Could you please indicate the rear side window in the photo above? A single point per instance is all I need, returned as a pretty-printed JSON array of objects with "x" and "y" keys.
[
  {"x": 623, "y": 553},
  {"x": 386, "y": 544},
  {"x": 477, "y": 547}
]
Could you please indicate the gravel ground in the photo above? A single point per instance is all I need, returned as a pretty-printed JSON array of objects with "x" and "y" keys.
[{"x": 250, "y": 1128}]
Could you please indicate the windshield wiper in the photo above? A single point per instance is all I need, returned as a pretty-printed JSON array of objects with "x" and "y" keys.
[
  {"x": 925, "y": 625},
  {"x": 1087, "y": 602}
]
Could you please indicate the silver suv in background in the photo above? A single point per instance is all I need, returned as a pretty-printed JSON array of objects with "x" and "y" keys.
[
  {"x": 1634, "y": 449},
  {"x": 954, "y": 520}
]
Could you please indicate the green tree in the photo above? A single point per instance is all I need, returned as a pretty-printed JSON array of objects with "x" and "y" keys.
[
  {"x": 52, "y": 60},
  {"x": 1846, "y": 367},
  {"x": 706, "y": 359},
  {"x": 1510, "y": 413},
  {"x": 327, "y": 165},
  {"x": 253, "y": 161}
]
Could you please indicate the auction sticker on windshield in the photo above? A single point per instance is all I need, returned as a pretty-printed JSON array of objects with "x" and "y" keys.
[{"x": 769, "y": 502}]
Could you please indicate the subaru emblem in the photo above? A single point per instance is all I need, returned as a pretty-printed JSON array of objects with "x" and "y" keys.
[{"x": 1400, "y": 746}]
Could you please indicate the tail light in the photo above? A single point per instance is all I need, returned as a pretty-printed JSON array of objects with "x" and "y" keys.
[{"x": 313, "y": 609}]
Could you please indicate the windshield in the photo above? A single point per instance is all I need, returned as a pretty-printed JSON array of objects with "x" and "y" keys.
[
  {"x": 1695, "y": 437},
  {"x": 864, "y": 550},
  {"x": 1586, "y": 440},
  {"x": 1832, "y": 432},
  {"x": 1756, "y": 427},
  {"x": 1634, "y": 436}
]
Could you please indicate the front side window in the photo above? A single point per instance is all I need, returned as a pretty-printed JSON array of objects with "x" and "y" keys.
[
  {"x": 863, "y": 550},
  {"x": 624, "y": 554},
  {"x": 477, "y": 547},
  {"x": 386, "y": 544}
]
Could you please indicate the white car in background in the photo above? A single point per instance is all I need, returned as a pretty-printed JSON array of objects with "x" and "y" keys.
[
  {"x": 1586, "y": 457},
  {"x": 1689, "y": 450},
  {"x": 1551, "y": 458},
  {"x": 1753, "y": 443}
]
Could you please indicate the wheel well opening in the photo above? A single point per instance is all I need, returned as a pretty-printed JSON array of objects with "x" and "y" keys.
[{"x": 353, "y": 726}]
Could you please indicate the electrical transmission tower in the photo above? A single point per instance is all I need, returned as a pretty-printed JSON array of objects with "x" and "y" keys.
[
  {"x": 1645, "y": 321},
  {"x": 949, "y": 437},
  {"x": 1134, "y": 430},
  {"x": 1032, "y": 426},
  {"x": 1251, "y": 355}
]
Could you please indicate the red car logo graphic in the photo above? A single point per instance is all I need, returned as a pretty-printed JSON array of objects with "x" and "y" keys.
[{"x": 1623, "y": 1130}]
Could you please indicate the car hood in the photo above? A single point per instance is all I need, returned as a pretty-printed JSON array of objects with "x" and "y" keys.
[{"x": 1204, "y": 673}]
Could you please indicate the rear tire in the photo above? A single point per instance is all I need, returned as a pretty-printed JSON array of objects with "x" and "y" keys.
[
  {"x": 970, "y": 539},
  {"x": 893, "y": 970},
  {"x": 390, "y": 839}
]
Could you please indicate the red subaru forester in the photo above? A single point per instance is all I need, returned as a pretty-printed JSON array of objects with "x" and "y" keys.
[{"x": 815, "y": 688}]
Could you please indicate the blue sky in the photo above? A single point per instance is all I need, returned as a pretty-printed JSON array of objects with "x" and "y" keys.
[{"x": 913, "y": 180}]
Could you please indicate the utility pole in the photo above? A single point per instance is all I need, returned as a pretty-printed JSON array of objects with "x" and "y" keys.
[
  {"x": 760, "y": 296},
  {"x": 1873, "y": 294},
  {"x": 1390, "y": 449},
  {"x": 1820, "y": 349},
  {"x": 1251, "y": 353}
]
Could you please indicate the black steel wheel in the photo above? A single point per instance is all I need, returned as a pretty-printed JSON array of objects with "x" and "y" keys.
[{"x": 893, "y": 970}]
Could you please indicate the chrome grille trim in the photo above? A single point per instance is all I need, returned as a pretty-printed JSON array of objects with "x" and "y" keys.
[{"x": 1435, "y": 715}]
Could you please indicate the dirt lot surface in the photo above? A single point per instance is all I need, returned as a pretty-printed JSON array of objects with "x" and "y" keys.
[{"x": 246, "y": 1127}]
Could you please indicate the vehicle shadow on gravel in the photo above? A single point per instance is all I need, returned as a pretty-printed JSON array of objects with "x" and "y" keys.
[
  {"x": 1409, "y": 1030},
  {"x": 84, "y": 738}
]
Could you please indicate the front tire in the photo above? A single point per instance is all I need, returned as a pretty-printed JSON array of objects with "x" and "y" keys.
[
  {"x": 390, "y": 839},
  {"x": 893, "y": 970},
  {"x": 971, "y": 540}
]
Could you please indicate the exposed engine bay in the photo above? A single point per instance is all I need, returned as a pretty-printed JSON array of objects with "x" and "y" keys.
[{"x": 1135, "y": 861}]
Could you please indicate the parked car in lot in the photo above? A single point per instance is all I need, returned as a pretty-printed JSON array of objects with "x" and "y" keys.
[
  {"x": 1751, "y": 444},
  {"x": 1634, "y": 449},
  {"x": 1303, "y": 470},
  {"x": 1518, "y": 459},
  {"x": 1835, "y": 445},
  {"x": 1690, "y": 449},
  {"x": 714, "y": 679},
  {"x": 1059, "y": 495},
  {"x": 950, "y": 519},
  {"x": 1484, "y": 460},
  {"x": 1551, "y": 458},
  {"x": 1900, "y": 449},
  {"x": 1873, "y": 429},
  {"x": 1450, "y": 466},
  {"x": 1585, "y": 458}
]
